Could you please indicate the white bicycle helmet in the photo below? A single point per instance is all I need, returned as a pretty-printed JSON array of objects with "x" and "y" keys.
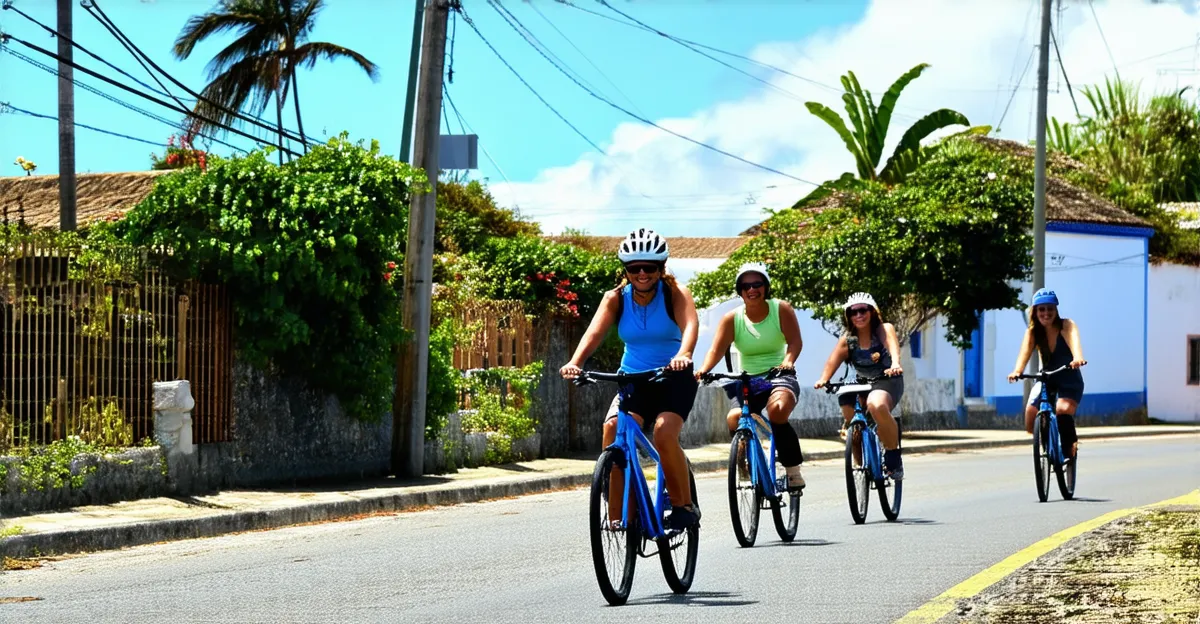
[
  {"x": 643, "y": 244},
  {"x": 752, "y": 267},
  {"x": 860, "y": 298}
]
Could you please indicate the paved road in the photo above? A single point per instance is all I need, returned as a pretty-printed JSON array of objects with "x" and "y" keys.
[{"x": 527, "y": 560}]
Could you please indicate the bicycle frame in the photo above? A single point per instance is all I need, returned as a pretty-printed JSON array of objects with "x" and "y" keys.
[
  {"x": 872, "y": 458},
  {"x": 1046, "y": 407},
  {"x": 761, "y": 466},
  {"x": 629, "y": 440}
]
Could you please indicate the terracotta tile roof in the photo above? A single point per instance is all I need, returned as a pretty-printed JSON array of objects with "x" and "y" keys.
[
  {"x": 97, "y": 196},
  {"x": 681, "y": 246}
]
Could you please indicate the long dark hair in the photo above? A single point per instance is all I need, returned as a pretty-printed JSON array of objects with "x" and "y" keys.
[{"x": 1039, "y": 332}]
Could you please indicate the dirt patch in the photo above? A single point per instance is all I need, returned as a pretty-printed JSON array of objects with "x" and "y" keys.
[
  {"x": 11, "y": 564},
  {"x": 1141, "y": 568}
]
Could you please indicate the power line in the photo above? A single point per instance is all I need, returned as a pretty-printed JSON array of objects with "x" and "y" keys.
[
  {"x": 1028, "y": 62},
  {"x": 6, "y": 107},
  {"x": 5, "y": 38},
  {"x": 640, "y": 118},
  {"x": 141, "y": 111},
  {"x": 533, "y": 40},
  {"x": 1104, "y": 39},
  {"x": 585, "y": 56},
  {"x": 1063, "y": 68},
  {"x": 136, "y": 51}
]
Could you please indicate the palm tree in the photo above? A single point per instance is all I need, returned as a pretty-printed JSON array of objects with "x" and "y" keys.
[
  {"x": 871, "y": 127},
  {"x": 260, "y": 65}
]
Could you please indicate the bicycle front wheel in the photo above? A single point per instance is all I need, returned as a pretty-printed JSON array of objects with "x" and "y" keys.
[
  {"x": 858, "y": 487},
  {"x": 787, "y": 500},
  {"x": 745, "y": 500},
  {"x": 678, "y": 553},
  {"x": 1041, "y": 456},
  {"x": 614, "y": 547}
]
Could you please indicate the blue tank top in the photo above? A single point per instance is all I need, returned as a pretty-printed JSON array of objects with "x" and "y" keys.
[{"x": 651, "y": 338}]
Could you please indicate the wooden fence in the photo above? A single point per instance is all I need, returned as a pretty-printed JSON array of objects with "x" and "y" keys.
[
  {"x": 81, "y": 346},
  {"x": 503, "y": 335}
]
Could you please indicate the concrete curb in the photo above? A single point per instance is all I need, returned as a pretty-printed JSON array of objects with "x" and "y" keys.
[{"x": 138, "y": 533}]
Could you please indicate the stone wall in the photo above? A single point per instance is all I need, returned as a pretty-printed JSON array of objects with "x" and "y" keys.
[
  {"x": 127, "y": 475},
  {"x": 285, "y": 432}
]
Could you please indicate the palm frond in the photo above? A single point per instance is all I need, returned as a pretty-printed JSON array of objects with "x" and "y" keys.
[
  {"x": 200, "y": 27},
  {"x": 308, "y": 54}
]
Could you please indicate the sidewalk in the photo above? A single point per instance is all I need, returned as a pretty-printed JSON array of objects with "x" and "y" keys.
[{"x": 104, "y": 527}]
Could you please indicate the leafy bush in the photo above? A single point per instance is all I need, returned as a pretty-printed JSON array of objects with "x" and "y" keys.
[
  {"x": 544, "y": 275},
  {"x": 467, "y": 216},
  {"x": 500, "y": 404},
  {"x": 950, "y": 240},
  {"x": 304, "y": 248}
]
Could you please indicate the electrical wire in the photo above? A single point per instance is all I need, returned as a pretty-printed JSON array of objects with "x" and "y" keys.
[
  {"x": 1028, "y": 62},
  {"x": 141, "y": 111},
  {"x": 6, "y": 107},
  {"x": 1112, "y": 60},
  {"x": 125, "y": 87},
  {"x": 471, "y": 24},
  {"x": 136, "y": 51}
]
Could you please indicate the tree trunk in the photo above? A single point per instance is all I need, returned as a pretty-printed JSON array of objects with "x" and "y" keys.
[{"x": 279, "y": 109}]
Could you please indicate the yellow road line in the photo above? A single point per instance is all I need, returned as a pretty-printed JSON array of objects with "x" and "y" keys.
[{"x": 943, "y": 604}]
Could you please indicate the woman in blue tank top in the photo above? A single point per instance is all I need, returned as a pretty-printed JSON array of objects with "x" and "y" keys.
[
  {"x": 1057, "y": 342},
  {"x": 656, "y": 319}
]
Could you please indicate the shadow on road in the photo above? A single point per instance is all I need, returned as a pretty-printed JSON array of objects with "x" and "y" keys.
[
  {"x": 799, "y": 542},
  {"x": 696, "y": 599},
  {"x": 1080, "y": 499},
  {"x": 908, "y": 521}
]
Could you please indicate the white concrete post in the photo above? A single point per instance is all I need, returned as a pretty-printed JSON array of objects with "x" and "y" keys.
[{"x": 173, "y": 405}]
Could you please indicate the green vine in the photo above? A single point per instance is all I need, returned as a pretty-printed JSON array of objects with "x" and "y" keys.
[
  {"x": 309, "y": 251},
  {"x": 500, "y": 401}
]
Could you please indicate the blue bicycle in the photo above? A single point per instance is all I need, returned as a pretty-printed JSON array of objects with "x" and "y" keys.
[
  {"x": 625, "y": 520},
  {"x": 1047, "y": 446},
  {"x": 864, "y": 457},
  {"x": 756, "y": 479}
]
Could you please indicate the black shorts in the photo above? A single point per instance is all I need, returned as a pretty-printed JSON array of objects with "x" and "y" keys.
[
  {"x": 675, "y": 393},
  {"x": 892, "y": 385}
]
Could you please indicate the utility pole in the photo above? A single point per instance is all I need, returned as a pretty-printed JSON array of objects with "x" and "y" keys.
[
  {"x": 1039, "y": 170},
  {"x": 408, "y": 409},
  {"x": 414, "y": 57},
  {"x": 66, "y": 120}
]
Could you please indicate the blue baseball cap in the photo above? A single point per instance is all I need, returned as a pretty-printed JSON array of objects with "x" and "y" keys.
[{"x": 1045, "y": 296}]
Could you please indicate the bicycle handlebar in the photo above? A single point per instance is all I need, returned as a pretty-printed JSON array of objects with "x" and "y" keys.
[
  {"x": 653, "y": 375},
  {"x": 1042, "y": 375},
  {"x": 744, "y": 376}
]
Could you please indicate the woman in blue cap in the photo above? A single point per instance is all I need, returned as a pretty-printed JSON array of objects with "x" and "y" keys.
[{"x": 1057, "y": 342}]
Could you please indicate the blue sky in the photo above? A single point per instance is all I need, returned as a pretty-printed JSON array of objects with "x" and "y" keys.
[{"x": 536, "y": 163}]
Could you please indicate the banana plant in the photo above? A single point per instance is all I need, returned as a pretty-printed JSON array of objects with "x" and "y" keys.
[{"x": 870, "y": 127}]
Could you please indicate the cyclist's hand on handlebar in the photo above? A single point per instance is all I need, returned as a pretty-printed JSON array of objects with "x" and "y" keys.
[
  {"x": 569, "y": 371},
  {"x": 679, "y": 362},
  {"x": 894, "y": 371},
  {"x": 1013, "y": 376},
  {"x": 700, "y": 375},
  {"x": 1077, "y": 363},
  {"x": 820, "y": 384},
  {"x": 786, "y": 366}
]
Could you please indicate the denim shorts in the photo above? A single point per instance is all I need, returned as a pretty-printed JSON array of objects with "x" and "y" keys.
[{"x": 761, "y": 390}]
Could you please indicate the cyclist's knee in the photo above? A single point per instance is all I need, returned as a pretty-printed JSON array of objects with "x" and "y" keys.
[
  {"x": 667, "y": 428},
  {"x": 610, "y": 431}
]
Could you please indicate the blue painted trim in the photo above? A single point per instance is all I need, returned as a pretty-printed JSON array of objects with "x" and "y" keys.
[
  {"x": 1146, "y": 326},
  {"x": 1100, "y": 229},
  {"x": 1098, "y": 404}
]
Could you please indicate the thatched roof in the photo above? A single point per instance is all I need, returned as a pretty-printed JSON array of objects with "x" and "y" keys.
[
  {"x": 681, "y": 246},
  {"x": 97, "y": 196},
  {"x": 1065, "y": 202}
]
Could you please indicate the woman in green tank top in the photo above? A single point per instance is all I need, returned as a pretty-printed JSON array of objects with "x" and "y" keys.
[{"x": 766, "y": 334}]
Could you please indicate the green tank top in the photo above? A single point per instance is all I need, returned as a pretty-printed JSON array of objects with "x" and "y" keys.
[{"x": 761, "y": 345}]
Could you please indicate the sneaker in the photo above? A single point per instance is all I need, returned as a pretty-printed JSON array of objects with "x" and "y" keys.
[
  {"x": 795, "y": 479},
  {"x": 893, "y": 465},
  {"x": 682, "y": 518}
]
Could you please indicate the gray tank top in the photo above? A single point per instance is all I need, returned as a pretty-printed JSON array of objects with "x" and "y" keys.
[{"x": 862, "y": 359}]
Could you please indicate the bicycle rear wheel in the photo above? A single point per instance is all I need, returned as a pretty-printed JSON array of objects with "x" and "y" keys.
[
  {"x": 614, "y": 548},
  {"x": 1041, "y": 456},
  {"x": 790, "y": 501},
  {"x": 891, "y": 510},
  {"x": 745, "y": 499},
  {"x": 858, "y": 487},
  {"x": 678, "y": 553},
  {"x": 1066, "y": 476}
]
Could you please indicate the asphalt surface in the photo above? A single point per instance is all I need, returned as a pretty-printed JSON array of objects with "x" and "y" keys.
[{"x": 527, "y": 559}]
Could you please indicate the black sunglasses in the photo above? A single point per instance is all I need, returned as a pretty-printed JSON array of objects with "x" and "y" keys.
[
  {"x": 748, "y": 285},
  {"x": 857, "y": 311},
  {"x": 648, "y": 269}
]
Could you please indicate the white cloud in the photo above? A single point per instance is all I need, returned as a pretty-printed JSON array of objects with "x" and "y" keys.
[{"x": 976, "y": 50}]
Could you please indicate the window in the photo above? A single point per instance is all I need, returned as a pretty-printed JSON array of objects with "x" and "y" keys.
[
  {"x": 1193, "y": 361},
  {"x": 914, "y": 344}
]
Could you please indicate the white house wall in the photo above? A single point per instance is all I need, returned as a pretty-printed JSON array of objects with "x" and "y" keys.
[
  {"x": 1101, "y": 282},
  {"x": 1174, "y": 315}
]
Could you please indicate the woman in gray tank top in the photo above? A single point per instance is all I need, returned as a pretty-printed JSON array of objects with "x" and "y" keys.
[{"x": 870, "y": 346}]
